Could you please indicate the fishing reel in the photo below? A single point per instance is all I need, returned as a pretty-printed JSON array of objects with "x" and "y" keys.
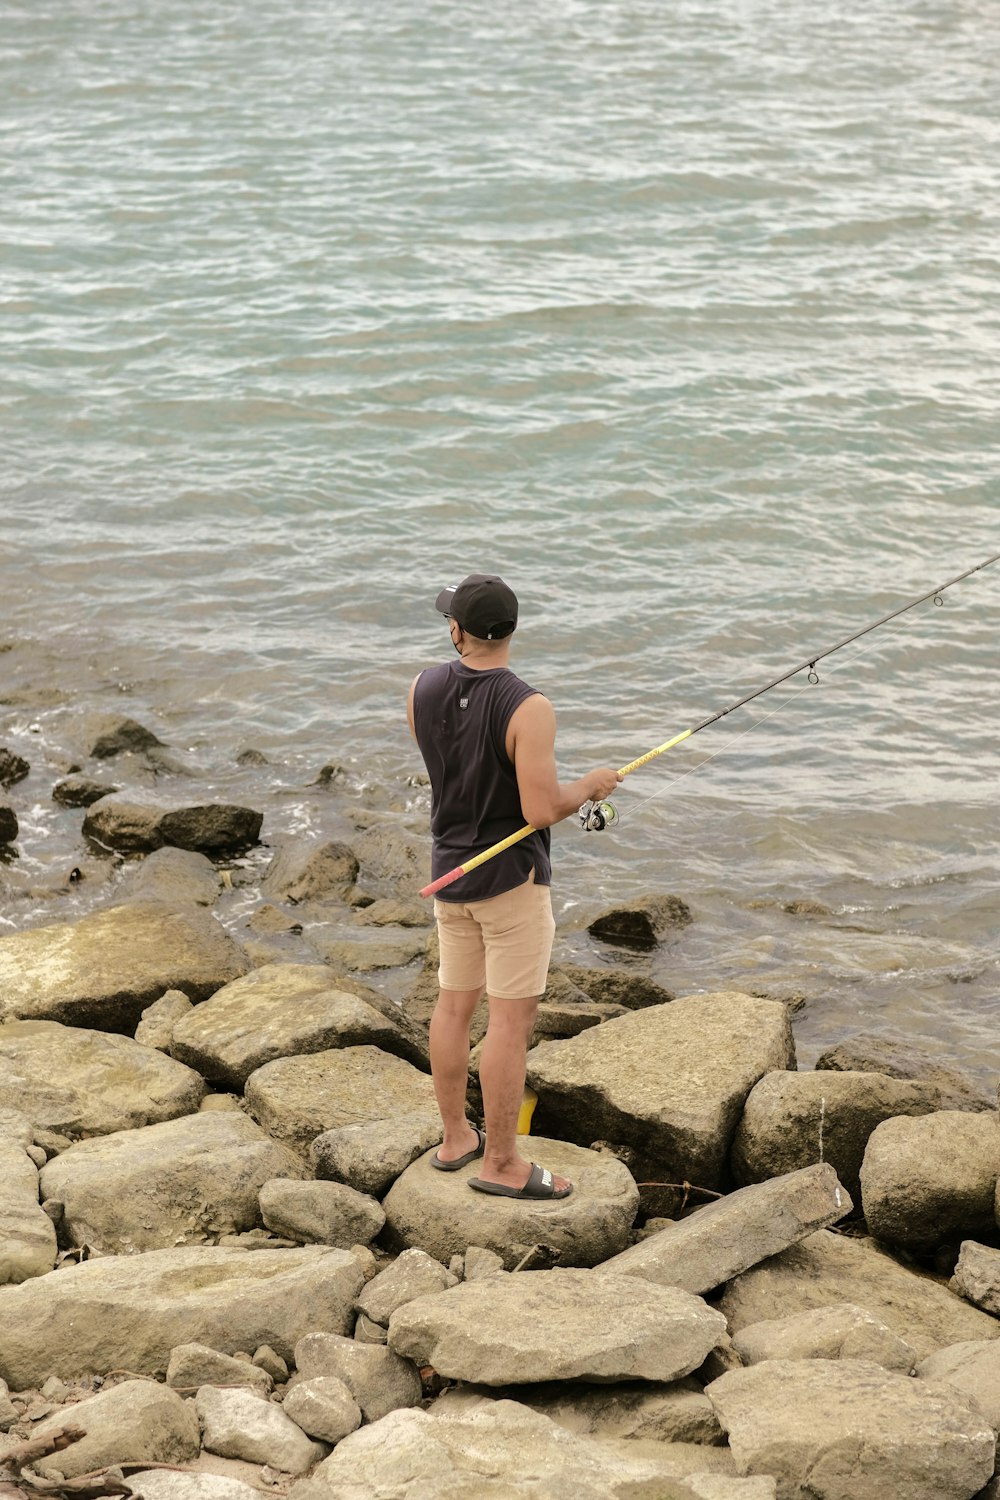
[{"x": 596, "y": 816}]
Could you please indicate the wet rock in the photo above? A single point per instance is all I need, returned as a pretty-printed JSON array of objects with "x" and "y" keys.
[
  {"x": 305, "y": 871},
  {"x": 140, "y": 823},
  {"x": 929, "y": 1180},
  {"x": 176, "y": 877},
  {"x": 179, "y": 1182},
  {"x": 792, "y": 1119},
  {"x": 81, "y": 791},
  {"x": 295, "y": 1099},
  {"x": 898, "y": 1057},
  {"x": 973, "y": 1368},
  {"x": 157, "y": 1022},
  {"x": 105, "y": 735},
  {"x": 8, "y": 823},
  {"x": 370, "y": 1156},
  {"x": 268, "y": 921},
  {"x": 105, "y": 969},
  {"x": 27, "y": 1235},
  {"x": 413, "y": 1274},
  {"x": 396, "y": 913},
  {"x": 239, "y": 1424},
  {"x": 642, "y": 924},
  {"x": 194, "y": 1365},
  {"x": 557, "y": 1325},
  {"x": 76, "y": 1082},
  {"x": 393, "y": 862},
  {"x": 320, "y": 1213},
  {"x": 13, "y": 768},
  {"x": 977, "y": 1279},
  {"x": 368, "y": 956},
  {"x": 138, "y": 1421},
  {"x": 724, "y": 1238},
  {"x": 415, "y": 1454},
  {"x": 562, "y": 1020},
  {"x": 670, "y": 1081},
  {"x": 130, "y": 1312},
  {"x": 437, "y": 1211},
  {"x": 278, "y": 1011},
  {"x": 610, "y": 986},
  {"x": 843, "y": 1331},
  {"x": 848, "y": 1430},
  {"x": 324, "y": 1408},
  {"x": 828, "y": 1268},
  {"x": 378, "y": 1379}
]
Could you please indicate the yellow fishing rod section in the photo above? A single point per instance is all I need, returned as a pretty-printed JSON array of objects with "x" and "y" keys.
[{"x": 808, "y": 665}]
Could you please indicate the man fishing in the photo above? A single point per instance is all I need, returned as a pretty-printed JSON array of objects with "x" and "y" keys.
[{"x": 488, "y": 741}]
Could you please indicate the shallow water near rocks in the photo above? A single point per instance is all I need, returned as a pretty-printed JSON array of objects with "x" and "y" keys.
[{"x": 684, "y": 321}]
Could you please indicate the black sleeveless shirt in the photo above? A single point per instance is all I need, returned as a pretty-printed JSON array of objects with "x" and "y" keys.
[{"x": 460, "y": 716}]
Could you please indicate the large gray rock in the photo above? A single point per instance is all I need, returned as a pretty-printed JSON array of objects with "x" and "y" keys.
[
  {"x": 106, "y": 968},
  {"x": 138, "y": 1421},
  {"x": 182, "y": 1182},
  {"x": 613, "y": 986},
  {"x": 977, "y": 1278},
  {"x": 726, "y": 1237},
  {"x": 369, "y": 1157},
  {"x": 105, "y": 735},
  {"x": 129, "y": 1312},
  {"x": 324, "y": 1408},
  {"x": 900, "y": 1057},
  {"x": 973, "y": 1368},
  {"x": 304, "y": 871},
  {"x": 193, "y": 1365},
  {"x": 848, "y": 1430},
  {"x": 670, "y": 1081},
  {"x": 413, "y": 1274},
  {"x": 505, "y": 1452},
  {"x": 678, "y": 1412},
  {"x": 927, "y": 1181},
  {"x": 176, "y": 877},
  {"x": 240, "y": 1424},
  {"x": 557, "y": 1325},
  {"x": 439, "y": 1213},
  {"x": 793, "y": 1119},
  {"x": 320, "y": 1213},
  {"x": 840, "y": 1332},
  {"x": 643, "y": 923},
  {"x": 828, "y": 1268},
  {"x": 280, "y": 1010},
  {"x": 140, "y": 823},
  {"x": 393, "y": 861},
  {"x": 378, "y": 1379},
  {"x": 295, "y": 1099},
  {"x": 78, "y": 1082},
  {"x": 27, "y": 1235}
]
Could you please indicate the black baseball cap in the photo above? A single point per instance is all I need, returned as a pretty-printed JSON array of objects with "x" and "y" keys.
[{"x": 482, "y": 604}]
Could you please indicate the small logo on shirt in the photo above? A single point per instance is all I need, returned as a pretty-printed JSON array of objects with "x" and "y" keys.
[{"x": 463, "y": 702}]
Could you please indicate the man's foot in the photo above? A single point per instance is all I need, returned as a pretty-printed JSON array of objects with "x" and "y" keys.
[
  {"x": 451, "y": 1163},
  {"x": 539, "y": 1183}
]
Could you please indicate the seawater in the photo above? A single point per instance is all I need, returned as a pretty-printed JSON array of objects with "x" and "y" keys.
[{"x": 683, "y": 317}]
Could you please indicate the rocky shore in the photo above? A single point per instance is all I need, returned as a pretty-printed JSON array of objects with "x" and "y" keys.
[{"x": 228, "y": 1269}]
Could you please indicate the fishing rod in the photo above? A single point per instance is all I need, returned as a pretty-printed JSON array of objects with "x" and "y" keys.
[{"x": 596, "y": 816}]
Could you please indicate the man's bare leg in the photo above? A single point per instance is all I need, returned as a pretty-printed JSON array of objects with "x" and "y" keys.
[
  {"x": 449, "y": 1049},
  {"x": 501, "y": 1074}
]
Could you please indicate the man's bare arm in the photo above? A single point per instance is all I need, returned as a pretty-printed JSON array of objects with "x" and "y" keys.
[{"x": 531, "y": 745}]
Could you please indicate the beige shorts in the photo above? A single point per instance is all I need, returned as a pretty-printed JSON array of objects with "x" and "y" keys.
[{"x": 504, "y": 943}]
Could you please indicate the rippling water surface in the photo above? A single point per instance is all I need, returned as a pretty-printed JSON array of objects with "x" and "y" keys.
[{"x": 685, "y": 318}]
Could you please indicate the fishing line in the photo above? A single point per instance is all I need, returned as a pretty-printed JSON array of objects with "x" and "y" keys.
[{"x": 596, "y": 816}]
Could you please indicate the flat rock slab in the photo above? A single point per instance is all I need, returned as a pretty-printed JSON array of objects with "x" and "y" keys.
[
  {"x": 78, "y": 1082},
  {"x": 104, "y": 970},
  {"x": 852, "y": 1431},
  {"x": 505, "y": 1452},
  {"x": 829, "y": 1268},
  {"x": 840, "y": 1332},
  {"x": 280, "y": 1010},
  {"x": 899, "y": 1057},
  {"x": 670, "y": 1081},
  {"x": 181, "y": 1182},
  {"x": 129, "y": 1312},
  {"x": 438, "y": 1211},
  {"x": 729, "y": 1236},
  {"x": 143, "y": 823},
  {"x": 296, "y": 1099},
  {"x": 557, "y": 1325},
  {"x": 138, "y": 1421}
]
